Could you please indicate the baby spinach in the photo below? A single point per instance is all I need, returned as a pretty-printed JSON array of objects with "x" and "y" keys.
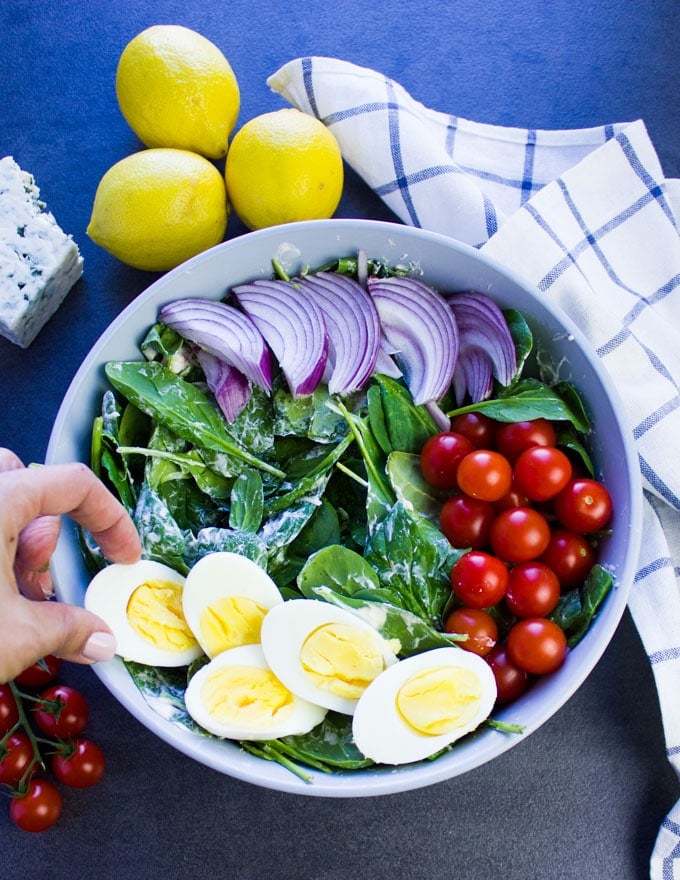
[{"x": 182, "y": 407}]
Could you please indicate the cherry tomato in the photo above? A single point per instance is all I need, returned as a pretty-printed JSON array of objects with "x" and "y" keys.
[
  {"x": 584, "y": 506},
  {"x": 479, "y": 579},
  {"x": 570, "y": 556},
  {"x": 440, "y": 456},
  {"x": 537, "y": 645},
  {"x": 41, "y": 673},
  {"x": 533, "y": 590},
  {"x": 485, "y": 474},
  {"x": 479, "y": 429},
  {"x": 39, "y": 808},
  {"x": 18, "y": 757},
  {"x": 80, "y": 767},
  {"x": 512, "y": 438},
  {"x": 512, "y": 499},
  {"x": 9, "y": 714},
  {"x": 479, "y": 626},
  {"x": 466, "y": 521},
  {"x": 62, "y": 712},
  {"x": 519, "y": 534},
  {"x": 511, "y": 681},
  {"x": 540, "y": 472}
]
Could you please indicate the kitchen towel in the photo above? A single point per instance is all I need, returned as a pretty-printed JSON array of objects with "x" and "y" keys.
[{"x": 588, "y": 218}]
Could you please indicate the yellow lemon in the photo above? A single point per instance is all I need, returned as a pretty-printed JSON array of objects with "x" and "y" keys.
[
  {"x": 281, "y": 167},
  {"x": 176, "y": 89},
  {"x": 156, "y": 208}
]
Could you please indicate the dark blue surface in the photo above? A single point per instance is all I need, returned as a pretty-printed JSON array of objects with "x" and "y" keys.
[{"x": 583, "y": 796}]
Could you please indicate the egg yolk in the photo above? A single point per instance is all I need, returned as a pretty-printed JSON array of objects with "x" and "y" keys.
[
  {"x": 439, "y": 700},
  {"x": 247, "y": 696},
  {"x": 341, "y": 659},
  {"x": 154, "y": 611},
  {"x": 230, "y": 622}
]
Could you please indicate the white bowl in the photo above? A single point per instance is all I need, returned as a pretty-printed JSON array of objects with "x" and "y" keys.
[{"x": 447, "y": 265}]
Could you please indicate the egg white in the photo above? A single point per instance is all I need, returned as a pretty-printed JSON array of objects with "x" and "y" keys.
[
  {"x": 379, "y": 731},
  {"x": 304, "y": 717},
  {"x": 220, "y": 575},
  {"x": 108, "y": 595},
  {"x": 284, "y": 631}
]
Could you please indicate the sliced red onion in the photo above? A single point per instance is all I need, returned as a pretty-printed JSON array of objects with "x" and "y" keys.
[
  {"x": 385, "y": 364},
  {"x": 224, "y": 332},
  {"x": 293, "y": 326},
  {"x": 481, "y": 325},
  {"x": 229, "y": 386},
  {"x": 473, "y": 375},
  {"x": 353, "y": 328},
  {"x": 421, "y": 330}
]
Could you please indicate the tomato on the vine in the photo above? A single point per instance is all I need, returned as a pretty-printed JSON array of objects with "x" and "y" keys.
[
  {"x": 81, "y": 765},
  {"x": 512, "y": 438},
  {"x": 61, "y": 711},
  {"x": 18, "y": 758},
  {"x": 9, "y": 713},
  {"x": 519, "y": 534},
  {"x": 537, "y": 645},
  {"x": 540, "y": 472},
  {"x": 41, "y": 673},
  {"x": 584, "y": 505},
  {"x": 485, "y": 474},
  {"x": 479, "y": 627},
  {"x": 39, "y": 808},
  {"x": 570, "y": 556},
  {"x": 440, "y": 457},
  {"x": 533, "y": 589},
  {"x": 511, "y": 680},
  {"x": 479, "y": 429},
  {"x": 466, "y": 521},
  {"x": 479, "y": 579}
]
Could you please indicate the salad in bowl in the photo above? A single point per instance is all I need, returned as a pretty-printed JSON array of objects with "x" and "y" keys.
[{"x": 388, "y": 506}]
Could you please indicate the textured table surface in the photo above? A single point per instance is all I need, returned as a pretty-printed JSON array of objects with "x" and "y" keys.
[{"x": 584, "y": 795}]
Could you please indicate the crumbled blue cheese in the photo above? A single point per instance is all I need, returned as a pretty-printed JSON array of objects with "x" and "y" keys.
[{"x": 39, "y": 262}]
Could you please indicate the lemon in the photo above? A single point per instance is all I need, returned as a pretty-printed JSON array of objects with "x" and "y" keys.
[
  {"x": 156, "y": 208},
  {"x": 281, "y": 167},
  {"x": 176, "y": 89}
]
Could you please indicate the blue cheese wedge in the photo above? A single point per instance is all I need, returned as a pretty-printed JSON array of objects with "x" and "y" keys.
[{"x": 39, "y": 262}]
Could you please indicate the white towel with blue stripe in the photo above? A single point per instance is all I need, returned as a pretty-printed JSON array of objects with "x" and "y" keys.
[{"x": 586, "y": 216}]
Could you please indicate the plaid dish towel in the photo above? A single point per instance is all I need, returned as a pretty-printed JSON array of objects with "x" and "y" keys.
[{"x": 587, "y": 217}]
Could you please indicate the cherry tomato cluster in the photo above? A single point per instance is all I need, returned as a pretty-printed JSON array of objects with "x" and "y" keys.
[
  {"x": 528, "y": 521},
  {"x": 41, "y": 722}
]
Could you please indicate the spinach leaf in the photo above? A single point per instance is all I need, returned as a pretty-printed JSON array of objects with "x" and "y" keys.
[
  {"x": 163, "y": 689},
  {"x": 105, "y": 459},
  {"x": 521, "y": 336},
  {"x": 161, "y": 537},
  {"x": 411, "y": 488},
  {"x": 577, "y": 608},
  {"x": 247, "y": 501},
  {"x": 328, "y": 745},
  {"x": 529, "y": 399},
  {"x": 413, "y": 560},
  {"x": 310, "y": 416},
  {"x": 396, "y": 422},
  {"x": 339, "y": 568},
  {"x": 213, "y": 539},
  {"x": 181, "y": 406}
]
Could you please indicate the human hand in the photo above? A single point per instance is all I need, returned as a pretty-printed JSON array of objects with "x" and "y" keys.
[{"x": 31, "y": 502}]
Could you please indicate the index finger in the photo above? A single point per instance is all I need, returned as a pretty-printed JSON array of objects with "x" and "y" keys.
[{"x": 71, "y": 489}]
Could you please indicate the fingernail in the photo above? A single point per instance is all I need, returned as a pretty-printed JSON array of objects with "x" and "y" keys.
[{"x": 100, "y": 646}]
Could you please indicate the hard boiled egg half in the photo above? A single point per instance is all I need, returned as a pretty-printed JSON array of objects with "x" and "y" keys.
[
  {"x": 237, "y": 696},
  {"x": 142, "y": 603},
  {"x": 322, "y": 653},
  {"x": 225, "y": 599},
  {"x": 422, "y": 704}
]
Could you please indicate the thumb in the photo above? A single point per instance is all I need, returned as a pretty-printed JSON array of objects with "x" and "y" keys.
[{"x": 42, "y": 628}]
